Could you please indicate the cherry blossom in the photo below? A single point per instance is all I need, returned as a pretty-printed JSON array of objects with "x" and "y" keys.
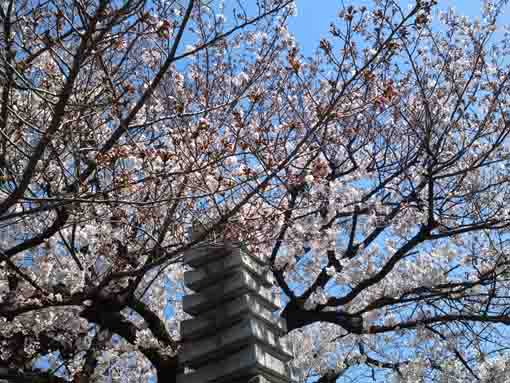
[{"x": 372, "y": 177}]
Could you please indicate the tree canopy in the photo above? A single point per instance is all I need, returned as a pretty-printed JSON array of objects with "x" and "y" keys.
[{"x": 372, "y": 176}]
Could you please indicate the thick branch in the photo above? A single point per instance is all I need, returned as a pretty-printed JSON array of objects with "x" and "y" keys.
[
  {"x": 14, "y": 376},
  {"x": 156, "y": 325}
]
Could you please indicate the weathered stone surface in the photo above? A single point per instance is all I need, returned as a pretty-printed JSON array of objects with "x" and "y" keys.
[
  {"x": 248, "y": 363},
  {"x": 220, "y": 317},
  {"x": 201, "y": 255},
  {"x": 249, "y": 331},
  {"x": 238, "y": 284},
  {"x": 235, "y": 335},
  {"x": 217, "y": 270},
  {"x": 198, "y": 256}
]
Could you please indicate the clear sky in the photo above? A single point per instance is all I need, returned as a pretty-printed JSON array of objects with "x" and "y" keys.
[{"x": 314, "y": 17}]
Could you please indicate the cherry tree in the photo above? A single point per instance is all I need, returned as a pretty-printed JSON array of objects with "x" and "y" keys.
[
  {"x": 122, "y": 124},
  {"x": 372, "y": 176},
  {"x": 392, "y": 254}
]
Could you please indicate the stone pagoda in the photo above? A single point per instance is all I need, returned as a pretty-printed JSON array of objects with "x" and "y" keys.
[{"x": 234, "y": 335}]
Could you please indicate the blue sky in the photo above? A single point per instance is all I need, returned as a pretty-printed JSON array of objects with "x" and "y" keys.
[{"x": 314, "y": 17}]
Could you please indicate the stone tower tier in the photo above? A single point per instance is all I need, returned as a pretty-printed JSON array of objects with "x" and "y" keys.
[{"x": 234, "y": 335}]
